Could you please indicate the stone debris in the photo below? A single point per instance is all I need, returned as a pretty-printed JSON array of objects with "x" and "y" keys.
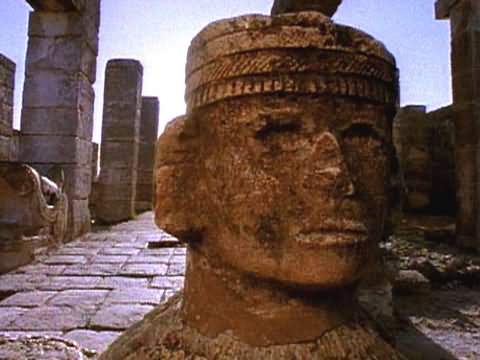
[
  {"x": 41, "y": 348},
  {"x": 409, "y": 282}
]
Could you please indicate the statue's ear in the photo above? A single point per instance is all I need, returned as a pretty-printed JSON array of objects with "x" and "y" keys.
[{"x": 175, "y": 181}]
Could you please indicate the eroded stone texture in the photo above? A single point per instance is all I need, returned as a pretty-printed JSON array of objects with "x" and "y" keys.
[
  {"x": 442, "y": 150},
  {"x": 465, "y": 31},
  {"x": 411, "y": 140},
  {"x": 276, "y": 178},
  {"x": 7, "y": 83},
  {"x": 327, "y": 7},
  {"x": 146, "y": 153},
  {"x": 120, "y": 141},
  {"x": 41, "y": 348},
  {"x": 58, "y": 97}
]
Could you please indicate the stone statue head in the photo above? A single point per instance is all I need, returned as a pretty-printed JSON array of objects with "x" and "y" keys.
[{"x": 279, "y": 168}]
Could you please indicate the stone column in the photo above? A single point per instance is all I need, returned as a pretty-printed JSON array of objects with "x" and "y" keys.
[
  {"x": 146, "y": 153},
  {"x": 58, "y": 97},
  {"x": 465, "y": 31},
  {"x": 410, "y": 137},
  {"x": 7, "y": 84},
  {"x": 120, "y": 139}
]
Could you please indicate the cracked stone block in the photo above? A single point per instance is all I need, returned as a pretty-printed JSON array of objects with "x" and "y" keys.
[
  {"x": 86, "y": 300},
  {"x": 110, "y": 259},
  {"x": 50, "y": 318},
  {"x": 143, "y": 296},
  {"x": 71, "y": 283},
  {"x": 66, "y": 260},
  {"x": 93, "y": 270},
  {"x": 119, "y": 251},
  {"x": 144, "y": 269},
  {"x": 95, "y": 340},
  {"x": 118, "y": 317},
  {"x": 118, "y": 282},
  {"x": 168, "y": 282},
  {"x": 8, "y": 315},
  {"x": 28, "y": 299}
]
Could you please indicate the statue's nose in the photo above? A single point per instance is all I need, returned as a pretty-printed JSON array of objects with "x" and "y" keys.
[{"x": 329, "y": 166}]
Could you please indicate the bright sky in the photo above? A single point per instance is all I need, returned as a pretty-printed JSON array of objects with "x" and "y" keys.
[{"x": 158, "y": 32}]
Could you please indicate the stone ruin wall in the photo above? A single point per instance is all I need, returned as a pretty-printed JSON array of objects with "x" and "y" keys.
[
  {"x": 58, "y": 97},
  {"x": 8, "y": 136},
  {"x": 425, "y": 147}
]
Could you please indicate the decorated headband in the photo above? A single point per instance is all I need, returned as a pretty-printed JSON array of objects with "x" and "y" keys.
[{"x": 304, "y": 53}]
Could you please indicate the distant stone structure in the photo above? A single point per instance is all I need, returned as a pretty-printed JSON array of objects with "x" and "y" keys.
[
  {"x": 464, "y": 18},
  {"x": 120, "y": 141},
  {"x": 58, "y": 97},
  {"x": 425, "y": 147},
  {"x": 276, "y": 178},
  {"x": 410, "y": 136},
  {"x": 146, "y": 153},
  {"x": 8, "y": 150}
]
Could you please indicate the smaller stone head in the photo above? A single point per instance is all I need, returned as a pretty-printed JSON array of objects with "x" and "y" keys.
[{"x": 279, "y": 169}]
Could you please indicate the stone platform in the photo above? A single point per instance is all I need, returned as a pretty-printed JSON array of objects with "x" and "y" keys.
[{"x": 94, "y": 288}]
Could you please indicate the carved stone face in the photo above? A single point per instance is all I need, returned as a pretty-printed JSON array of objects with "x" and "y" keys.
[{"x": 290, "y": 189}]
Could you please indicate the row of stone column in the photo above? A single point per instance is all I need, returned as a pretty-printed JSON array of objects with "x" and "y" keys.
[{"x": 129, "y": 133}]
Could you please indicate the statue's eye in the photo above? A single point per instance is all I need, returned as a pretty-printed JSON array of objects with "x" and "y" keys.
[
  {"x": 364, "y": 133},
  {"x": 279, "y": 126}
]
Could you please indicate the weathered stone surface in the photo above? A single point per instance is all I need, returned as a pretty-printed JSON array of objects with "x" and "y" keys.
[
  {"x": 41, "y": 348},
  {"x": 31, "y": 208},
  {"x": 410, "y": 282},
  {"x": 465, "y": 31},
  {"x": 136, "y": 296},
  {"x": 327, "y": 7},
  {"x": 410, "y": 136},
  {"x": 50, "y": 318},
  {"x": 442, "y": 149},
  {"x": 120, "y": 141},
  {"x": 119, "y": 317},
  {"x": 146, "y": 153},
  {"x": 283, "y": 155},
  {"x": 85, "y": 300},
  {"x": 7, "y": 80},
  {"x": 95, "y": 340},
  {"x": 57, "y": 114},
  {"x": 28, "y": 299}
]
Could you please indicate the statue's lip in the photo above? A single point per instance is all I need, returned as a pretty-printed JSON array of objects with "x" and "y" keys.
[{"x": 349, "y": 235}]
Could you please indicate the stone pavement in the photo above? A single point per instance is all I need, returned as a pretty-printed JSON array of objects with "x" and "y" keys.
[{"x": 95, "y": 287}]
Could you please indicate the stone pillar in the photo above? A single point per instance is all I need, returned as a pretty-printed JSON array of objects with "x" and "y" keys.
[
  {"x": 465, "y": 31},
  {"x": 410, "y": 137},
  {"x": 7, "y": 84},
  {"x": 146, "y": 153},
  {"x": 120, "y": 139},
  {"x": 58, "y": 97}
]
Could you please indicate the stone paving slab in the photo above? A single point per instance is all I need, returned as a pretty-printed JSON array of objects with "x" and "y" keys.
[
  {"x": 93, "y": 288},
  {"x": 94, "y": 340},
  {"x": 118, "y": 317}
]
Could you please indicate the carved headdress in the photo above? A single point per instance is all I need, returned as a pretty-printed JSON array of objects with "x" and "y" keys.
[{"x": 304, "y": 53}]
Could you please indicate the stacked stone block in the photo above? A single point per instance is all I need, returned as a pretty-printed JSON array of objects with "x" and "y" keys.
[
  {"x": 465, "y": 32},
  {"x": 58, "y": 98},
  {"x": 7, "y": 84},
  {"x": 146, "y": 153},
  {"x": 410, "y": 136},
  {"x": 120, "y": 141},
  {"x": 442, "y": 151}
]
